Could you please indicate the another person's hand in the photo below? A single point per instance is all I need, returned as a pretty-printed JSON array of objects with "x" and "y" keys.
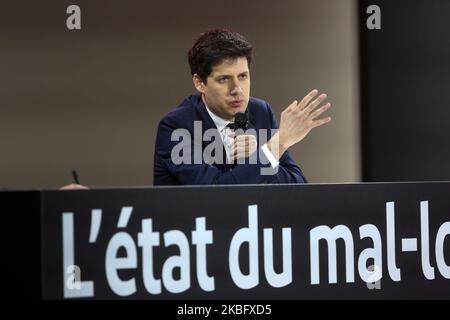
[
  {"x": 297, "y": 120},
  {"x": 243, "y": 146},
  {"x": 74, "y": 186}
]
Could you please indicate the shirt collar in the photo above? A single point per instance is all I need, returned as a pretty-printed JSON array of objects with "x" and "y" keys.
[{"x": 218, "y": 121}]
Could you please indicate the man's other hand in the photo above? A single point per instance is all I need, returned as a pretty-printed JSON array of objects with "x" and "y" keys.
[{"x": 243, "y": 146}]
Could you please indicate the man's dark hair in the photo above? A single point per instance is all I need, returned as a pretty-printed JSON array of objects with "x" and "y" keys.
[{"x": 215, "y": 45}]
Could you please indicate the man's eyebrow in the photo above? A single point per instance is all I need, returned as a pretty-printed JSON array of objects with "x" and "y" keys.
[
  {"x": 227, "y": 75},
  {"x": 222, "y": 76}
]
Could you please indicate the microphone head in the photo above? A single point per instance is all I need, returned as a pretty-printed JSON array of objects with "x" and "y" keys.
[{"x": 241, "y": 121}]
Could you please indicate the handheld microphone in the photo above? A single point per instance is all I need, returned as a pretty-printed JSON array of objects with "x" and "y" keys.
[{"x": 241, "y": 121}]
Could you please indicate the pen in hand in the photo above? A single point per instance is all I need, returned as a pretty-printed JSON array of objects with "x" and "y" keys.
[
  {"x": 76, "y": 185},
  {"x": 75, "y": 176}
]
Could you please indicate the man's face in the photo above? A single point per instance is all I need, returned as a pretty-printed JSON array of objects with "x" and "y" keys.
[{"x": 227, "y": 89}]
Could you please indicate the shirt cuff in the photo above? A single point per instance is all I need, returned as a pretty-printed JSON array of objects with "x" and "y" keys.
[{"x": 273, "y": 162}]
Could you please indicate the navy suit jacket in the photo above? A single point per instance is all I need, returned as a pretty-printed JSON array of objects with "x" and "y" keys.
[{"x": 166, "y": 172}]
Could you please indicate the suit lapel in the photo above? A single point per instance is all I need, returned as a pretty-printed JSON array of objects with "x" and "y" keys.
[
  {"x": 208, "y": 123},
  {"x": 200, "y": 107}
]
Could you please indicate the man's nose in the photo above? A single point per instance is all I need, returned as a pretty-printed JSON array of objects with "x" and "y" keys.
[{"x": 236, "y": 89}]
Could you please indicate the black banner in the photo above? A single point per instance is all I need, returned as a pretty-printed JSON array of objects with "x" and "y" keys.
[{"x": 368, "y": 241}]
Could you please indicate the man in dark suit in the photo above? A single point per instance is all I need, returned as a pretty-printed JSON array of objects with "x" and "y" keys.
[{"x": 219, "y": 61}]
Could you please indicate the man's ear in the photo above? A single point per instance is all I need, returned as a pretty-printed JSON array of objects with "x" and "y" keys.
[{"x": 198, "y": 83}]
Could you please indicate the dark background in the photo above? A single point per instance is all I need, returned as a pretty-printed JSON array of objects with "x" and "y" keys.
[{"x": 405, "y": 92}]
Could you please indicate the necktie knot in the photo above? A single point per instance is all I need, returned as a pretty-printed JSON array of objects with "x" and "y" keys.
[{"x": 231, "y": 126}]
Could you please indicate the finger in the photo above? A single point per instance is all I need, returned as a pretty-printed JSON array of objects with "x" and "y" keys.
[
  {"x": 292, "y": 106},
  {"x": 250, "y": 151},
  {"x": 241, "y": 150},
  {"x": 239, "y": 144},
  {"x": 307, "y": 99},
  {"x": 243, "y": 154},
  {"x": 238, "y": 155},
  {"x": 233, "y": 150},
  {"x": 245, "y": 136},
  {"x": 243, "y": 143},
  {"x": 319, "y": 111},
  {"x": 244, "y": 140},
  {"x": 251, "y": 142},
  {"x": 244, "y": 151},
  {"x": 322, "y": 121},
  {"x": 315, "y": 103},
  {"x": 236, "y": 142},
  {"x": 238, "y": 149}
]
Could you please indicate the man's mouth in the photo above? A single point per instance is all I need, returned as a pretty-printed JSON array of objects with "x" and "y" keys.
[{"x": 236, "y": 103}]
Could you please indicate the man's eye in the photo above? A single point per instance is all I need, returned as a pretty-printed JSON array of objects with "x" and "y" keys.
[
  {"x": 243, "y": 76},
  {"x": 222, "y": 80}
]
